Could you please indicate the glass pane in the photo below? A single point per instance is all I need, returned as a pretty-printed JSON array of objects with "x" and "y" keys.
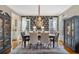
[
  {"x": 53, "y": 25},
  {"x": 25, "y": 24}
]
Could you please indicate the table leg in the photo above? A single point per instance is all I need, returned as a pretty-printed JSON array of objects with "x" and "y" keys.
[{"x": 24, "y": 44}]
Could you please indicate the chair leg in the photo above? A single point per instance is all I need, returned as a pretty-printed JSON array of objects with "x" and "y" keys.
[
  {"x": 57, "y": 44},
  {"x": 28, "y": 44},
  {"x": 22, "y": 43},
  {"x": 53, "y": 43}
]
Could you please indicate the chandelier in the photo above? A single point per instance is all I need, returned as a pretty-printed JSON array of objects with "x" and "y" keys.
[{"x": 39, "y": 20}]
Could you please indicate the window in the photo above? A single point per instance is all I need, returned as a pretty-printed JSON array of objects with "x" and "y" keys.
[
  {"x": 53, "y": 25},
  {"x": 25, "y": 24}
]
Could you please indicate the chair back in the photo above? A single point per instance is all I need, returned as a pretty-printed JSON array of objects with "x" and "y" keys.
[
  {"x": 45, "y": 38},
  {"x": 22, "y": 35},
  {"x": 33, "y": 38},
  {"x": 56, "y": 37}
]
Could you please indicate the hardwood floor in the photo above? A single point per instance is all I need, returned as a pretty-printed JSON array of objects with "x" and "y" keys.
[
  {"x": 15, "y": 43},
  {"x": 70, "y": 51},
  {"x": 7, "y": 51}
]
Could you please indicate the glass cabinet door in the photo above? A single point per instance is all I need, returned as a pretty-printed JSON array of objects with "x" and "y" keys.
[
  {"x": 73, "y": 33},
  {"x": 7, "y": 33},
  {"x": 1, "y": 34}
]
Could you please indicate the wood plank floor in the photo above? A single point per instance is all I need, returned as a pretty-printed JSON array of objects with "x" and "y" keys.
[
  {"x": 70, "y": 51},
  {"x": 15, "y": 43}
]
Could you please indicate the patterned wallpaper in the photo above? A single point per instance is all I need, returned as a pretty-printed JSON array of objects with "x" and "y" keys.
[
  {"x": 32, "y": 18},
  {"x": 45, "y": 19}
]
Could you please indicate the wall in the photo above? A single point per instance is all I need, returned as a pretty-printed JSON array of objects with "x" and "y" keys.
[
  {"x": 16, "y": 22},
  {"x": 5, "y": 9},
  {"x": 61, "y": 27},
  {"x": 45, "y": 21},
  {"x": 13, "y": 17},
  {"x": 74, "y": 10}
]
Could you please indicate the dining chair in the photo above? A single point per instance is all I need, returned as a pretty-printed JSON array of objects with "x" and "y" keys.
[
  {"x": 33, "y": 38},
  {"x": 23, "y": 39},
  {"x": 56, "y": 38},
  {"x": 44, "y": 38},
  {"x": 52, "y": 40}
]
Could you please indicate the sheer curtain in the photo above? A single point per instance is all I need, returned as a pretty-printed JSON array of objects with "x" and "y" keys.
[
  {"x": 53, "y": 25},
  {"x": 25, "y": 25}
]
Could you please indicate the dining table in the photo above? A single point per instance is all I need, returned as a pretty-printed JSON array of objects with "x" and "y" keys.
[{"x": 51, "y": 37}]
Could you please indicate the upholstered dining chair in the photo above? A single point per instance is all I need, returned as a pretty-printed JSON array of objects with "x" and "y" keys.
[
  {"x": 44, "y": 38},
  {"x": 33, "y": 38}
]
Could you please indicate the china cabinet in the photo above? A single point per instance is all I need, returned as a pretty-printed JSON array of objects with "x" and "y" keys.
[
  {"x": 71, "y": 33},
  {"x": 5, "y": 32}
]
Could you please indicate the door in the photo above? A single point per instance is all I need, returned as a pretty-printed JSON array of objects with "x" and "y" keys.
[{"x": 1, "y": 34}]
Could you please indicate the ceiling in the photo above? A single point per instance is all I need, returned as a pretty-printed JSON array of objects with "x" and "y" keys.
[{"x": 49, "y": 10}]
